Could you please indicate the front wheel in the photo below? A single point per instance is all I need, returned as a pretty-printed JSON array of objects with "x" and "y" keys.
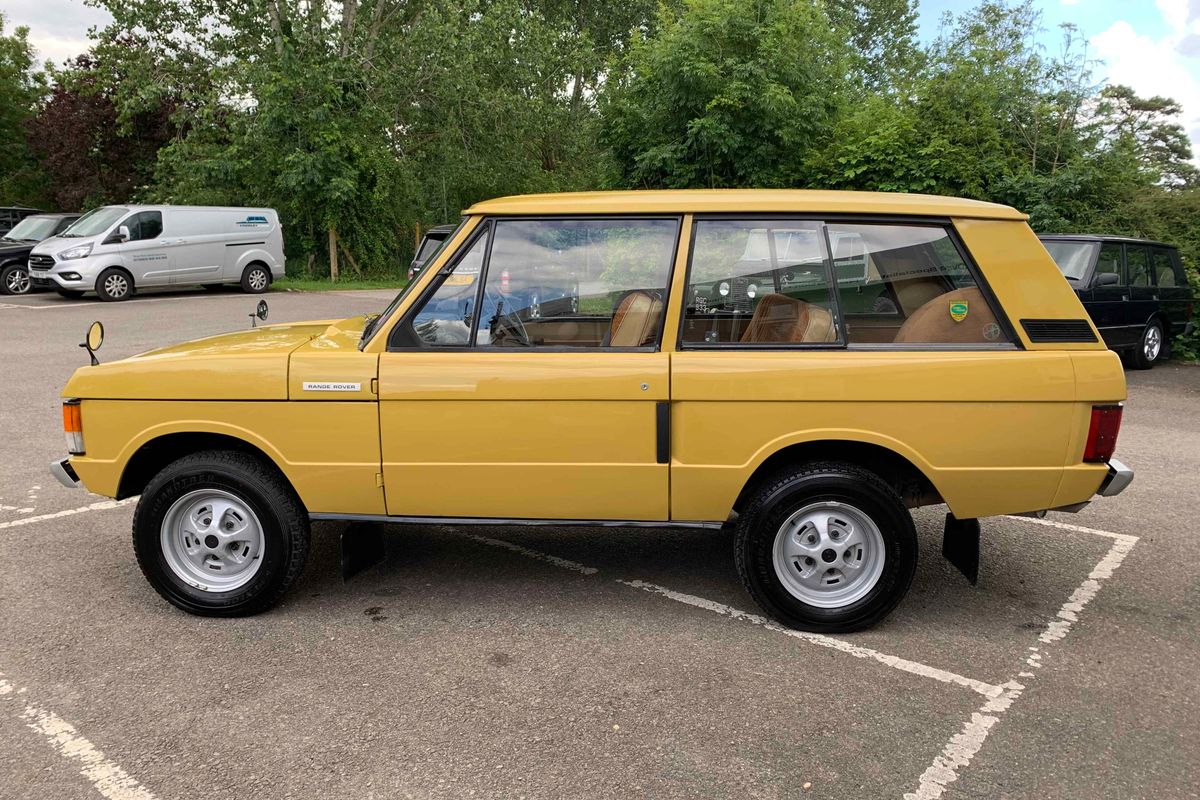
[
  {"x": 114, "y": 284},
  {"x": 256, "y": 278},
  {"x": 1150, "y": 348},
  {"x": 220, "y": 533},
  {"x": 14, "y": 279},
  {"x": 826, "y": 547}
]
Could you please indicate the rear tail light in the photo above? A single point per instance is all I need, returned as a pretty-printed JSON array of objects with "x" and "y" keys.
[
  {"x": 73, "y": 427},
  {"x": 1102, "y": 434}
]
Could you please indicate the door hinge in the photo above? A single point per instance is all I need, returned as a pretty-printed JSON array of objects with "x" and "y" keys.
[
  {"x": 375, "y": 386},
  {"x": 378, "y": 480}
]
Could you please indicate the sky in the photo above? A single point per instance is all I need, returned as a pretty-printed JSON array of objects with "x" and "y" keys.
[{"x": 1151, "y": 45}]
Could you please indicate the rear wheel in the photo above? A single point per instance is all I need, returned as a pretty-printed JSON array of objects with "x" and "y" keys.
[
  {"x": 14, "y": 279},
  {"x": 114, "y": 284},
  {"x": 1151, "y": 348},
  {"x": 826, "y": 547},
  {"x": 256, "y": 278},
  {"x": 220, "y": 533}
]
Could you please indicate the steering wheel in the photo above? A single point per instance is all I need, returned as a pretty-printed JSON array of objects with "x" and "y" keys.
[{"x": 507, "y": 329}]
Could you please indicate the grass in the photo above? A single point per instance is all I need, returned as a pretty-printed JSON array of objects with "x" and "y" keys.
[{"x": 295, "y": 284}]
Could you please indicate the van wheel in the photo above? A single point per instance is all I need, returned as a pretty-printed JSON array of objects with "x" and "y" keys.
[
  {"x": 14, "y": 279},
  {"x": 1150, "y": 348},
  {"x": 114, "y": 284},
  {"x": 256, "y": 278},
  {"x": 73, "y": 294},
  {"x": 826, "y": 547},
  {"x": 220, "y": 534}
]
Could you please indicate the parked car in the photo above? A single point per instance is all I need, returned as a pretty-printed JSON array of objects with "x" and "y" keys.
[
  {"x": 16, "y": 245},
  {"x": 11, "y": 215},
  {"x": 116, "y": 250},
  {"x": 809, "y": 423},
  {"x": 1135, "y": 291},
  {"x": 431, "y": 242}
]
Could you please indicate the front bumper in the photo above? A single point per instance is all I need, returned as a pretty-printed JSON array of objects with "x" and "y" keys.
[
  {"x": 1119, "y": 476},
  {"x": 65, "y": 473}
]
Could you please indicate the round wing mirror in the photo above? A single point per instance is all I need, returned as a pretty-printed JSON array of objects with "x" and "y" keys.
[
  {"x": 261, "y": 311},
  {"x": 93, "y": 340}
]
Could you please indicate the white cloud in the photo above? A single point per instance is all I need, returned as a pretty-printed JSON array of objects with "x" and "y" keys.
[
  {"x": 1162, "y": 66},
  {"x": 57, "y": 28}
]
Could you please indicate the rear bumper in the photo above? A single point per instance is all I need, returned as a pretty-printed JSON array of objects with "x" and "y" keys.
[
  {"x": 65, "y": 473},
  {"x": 1119, "y": 476}
]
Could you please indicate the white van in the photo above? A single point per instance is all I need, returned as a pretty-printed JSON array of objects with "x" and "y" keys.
[{"x": 116, "y": 250}]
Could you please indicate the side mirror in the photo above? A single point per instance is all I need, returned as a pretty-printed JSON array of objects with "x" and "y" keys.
[
  {"x": 93, "y": 340},
  {"x": 1107, "y": 279},
  {"x": 260, "y": 312},
  {"x": 119, "y": 236}
]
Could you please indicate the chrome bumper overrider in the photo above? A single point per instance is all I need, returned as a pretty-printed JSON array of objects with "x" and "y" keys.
[
  {"x": 66, "y": 476},
  {"x": 1119, "y": 476}
]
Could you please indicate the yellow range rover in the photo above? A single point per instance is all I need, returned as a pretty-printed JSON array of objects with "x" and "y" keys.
[{"x": 801, "y": 366}]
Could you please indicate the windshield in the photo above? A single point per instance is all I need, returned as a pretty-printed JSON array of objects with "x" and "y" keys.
[
  {"x": 1073, "y": 258},
  {"x": 32, "y": 229},
  {"x": 375, "y": 322},
  {"x": 95, "y": 222}
]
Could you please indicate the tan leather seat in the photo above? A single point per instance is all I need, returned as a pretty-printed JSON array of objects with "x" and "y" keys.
[
  {"x": 636, "y": 321},
  {"x": 781, "y": 319},
  {"x": 932, "y": 323}
]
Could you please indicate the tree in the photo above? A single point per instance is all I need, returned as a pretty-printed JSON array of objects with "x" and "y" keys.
[
  {"x": 21, "y": 87},
  {"x": 1147, "y": 127},
  {"x": 721, "y": 95}
]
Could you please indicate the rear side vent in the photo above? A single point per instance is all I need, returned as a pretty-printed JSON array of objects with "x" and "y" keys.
[{"x": 1050, "y": 331}]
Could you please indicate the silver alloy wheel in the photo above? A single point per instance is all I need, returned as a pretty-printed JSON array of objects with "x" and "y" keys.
[
  {"x": 1152, "y": 342},
  {"x": 17, "y": 282},
  {"x": 258, "y": 279},
  {"x": 828, "y": 554},
  {"x": 116, "y": 285},
  {"x": 212, "y": 541}
]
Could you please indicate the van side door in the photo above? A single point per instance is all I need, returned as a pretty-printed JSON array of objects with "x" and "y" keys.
[{"x": 146, "y": 253}]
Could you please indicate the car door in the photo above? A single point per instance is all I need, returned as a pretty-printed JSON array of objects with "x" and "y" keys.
[
  {"x": 146, "y": 254},
  {"x": 1143, "y": 294},
  {"x": 527, "y": 382},
  {"x": 1171, "y": 287},
  {"x": 1108, "y": 302}
]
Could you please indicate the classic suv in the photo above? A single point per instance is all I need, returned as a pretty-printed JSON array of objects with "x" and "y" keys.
[
  {"x": 16, "y": 245},
  {"x": 1135, "y": 291},
  {"x": 803, "y": 366}
]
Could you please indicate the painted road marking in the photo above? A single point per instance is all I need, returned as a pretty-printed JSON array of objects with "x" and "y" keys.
[
  {"x": 101, "y": 506},
  {"x": 105, "y": 775},
  {"x": 964, "y": 745},
  {"x": 858, "y": 651},
  {"x": 902, "y": 664}
]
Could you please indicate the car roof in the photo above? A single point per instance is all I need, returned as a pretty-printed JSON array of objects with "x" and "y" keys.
[
  {"x": 1099, "y": 237},
  {"x": 444, "y": 229},
  {"x": 684, "y": 201},
  {"x": 164, "y": 206}
]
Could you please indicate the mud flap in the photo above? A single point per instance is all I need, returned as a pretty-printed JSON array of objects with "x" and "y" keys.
[
  {"x": 362, "y": 548},
  {"x": 960, "y": 546}
]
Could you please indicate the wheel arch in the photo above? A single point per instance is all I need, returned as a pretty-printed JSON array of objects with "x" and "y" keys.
[
  {"x": 896, "y": 463},
  {"x": 156, "y": 450}
]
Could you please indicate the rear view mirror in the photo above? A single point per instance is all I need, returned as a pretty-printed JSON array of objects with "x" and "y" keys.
[
  {"x": 118, "y": 236},
  {"x": 1107, "y": 279},
  {"x": 93, "y": 340}
]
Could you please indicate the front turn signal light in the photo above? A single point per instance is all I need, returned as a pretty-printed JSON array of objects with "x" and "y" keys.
[{"x": 73, "y": 427}]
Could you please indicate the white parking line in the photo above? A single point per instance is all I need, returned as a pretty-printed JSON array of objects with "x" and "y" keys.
[
  {"x": 858, "y": 651},
  {"x": 105, "y": 775},
  {"x": 100, "y": 506},
  {"x": 963, "y": 746}
]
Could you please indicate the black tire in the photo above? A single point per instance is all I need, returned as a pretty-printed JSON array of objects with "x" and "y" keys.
[
  {"x": 114, "y": 285},
  {"x": 774, "y": 500},
  {"x": 1139, "y": 357},
  {"x": 14, "y": 279},
  {"x": 256, "y": 278},
  {"x": 73, "y": 294},
  {"x": 283, "y": 518}
]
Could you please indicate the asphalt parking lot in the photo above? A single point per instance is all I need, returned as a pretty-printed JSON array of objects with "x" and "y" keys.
[{"x": 546, "y": 663}]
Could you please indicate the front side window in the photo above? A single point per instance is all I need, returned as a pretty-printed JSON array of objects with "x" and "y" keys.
[
  {"x": 1109, "y": 263},
  {"x": 144, "y": 225},
  {"x": 583, "y": 283},
  {"x": 1137, "y": 261},
  {"x": 446, "y": 318},
  {"x": 761, "y": 282}
]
